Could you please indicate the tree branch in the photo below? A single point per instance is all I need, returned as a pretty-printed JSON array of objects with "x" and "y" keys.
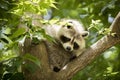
[{"x": 93, "y": 51}]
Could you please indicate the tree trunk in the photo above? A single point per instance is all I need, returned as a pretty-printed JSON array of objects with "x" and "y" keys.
[{"x": 53, "y": 58}]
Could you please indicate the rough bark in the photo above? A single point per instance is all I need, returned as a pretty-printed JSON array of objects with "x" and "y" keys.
[{"x": 44, "y": 50}]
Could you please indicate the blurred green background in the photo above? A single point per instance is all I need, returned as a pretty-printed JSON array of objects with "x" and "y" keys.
[{"x": 96, "y": 16}]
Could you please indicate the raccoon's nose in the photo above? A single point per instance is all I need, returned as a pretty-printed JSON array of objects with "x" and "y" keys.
[{"x": 68, "y": 48}]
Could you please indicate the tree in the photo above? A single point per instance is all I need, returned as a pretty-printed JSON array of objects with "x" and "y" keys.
[{"x": 42, "y": 52}]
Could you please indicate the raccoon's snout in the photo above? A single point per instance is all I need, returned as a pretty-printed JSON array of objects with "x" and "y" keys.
[{"x": 68, "y": 48}]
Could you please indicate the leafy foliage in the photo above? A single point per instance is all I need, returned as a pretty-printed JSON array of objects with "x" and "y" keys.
[
  {"x": 10, "y": 35},
  {"x": 96, "y": 15}
]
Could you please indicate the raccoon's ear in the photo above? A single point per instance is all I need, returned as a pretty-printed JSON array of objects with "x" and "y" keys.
[{"x": 85, "y": 34}]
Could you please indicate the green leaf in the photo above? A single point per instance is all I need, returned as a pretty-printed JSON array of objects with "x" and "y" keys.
[
  {"x": 6, "y": 38},
  {"x": 6, "y": 30},
  {"x": 52, "y": 5},
  {"x": 32, "y": 58},
  {"x": 19, "y": 32},
  {"x": 53, "y": 21},
  {"x": 22, "y": 40}
]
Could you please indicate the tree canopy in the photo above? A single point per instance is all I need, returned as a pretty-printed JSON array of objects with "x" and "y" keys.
[{"x": 96, "y": 16}]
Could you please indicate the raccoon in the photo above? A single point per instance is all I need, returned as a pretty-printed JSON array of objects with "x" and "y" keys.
[{"x": 70, "y": 34}]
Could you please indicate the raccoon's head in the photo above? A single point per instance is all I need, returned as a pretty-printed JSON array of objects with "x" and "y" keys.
[{"x": 71, "y": 36}]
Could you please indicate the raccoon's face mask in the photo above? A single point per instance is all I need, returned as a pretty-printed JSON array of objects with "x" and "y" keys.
[
  {"x": 68, "y": 44},
  {"x": 71, "y": 43}
]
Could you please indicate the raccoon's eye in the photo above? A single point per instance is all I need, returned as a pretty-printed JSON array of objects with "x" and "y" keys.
[
  {"x": 76, "y": 46},
  {"x": 69, "y": 26},
  {"x": 64, "y": 39}
]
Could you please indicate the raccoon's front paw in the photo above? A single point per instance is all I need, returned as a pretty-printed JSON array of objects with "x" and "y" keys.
[{"x": 73, "y": 57}]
